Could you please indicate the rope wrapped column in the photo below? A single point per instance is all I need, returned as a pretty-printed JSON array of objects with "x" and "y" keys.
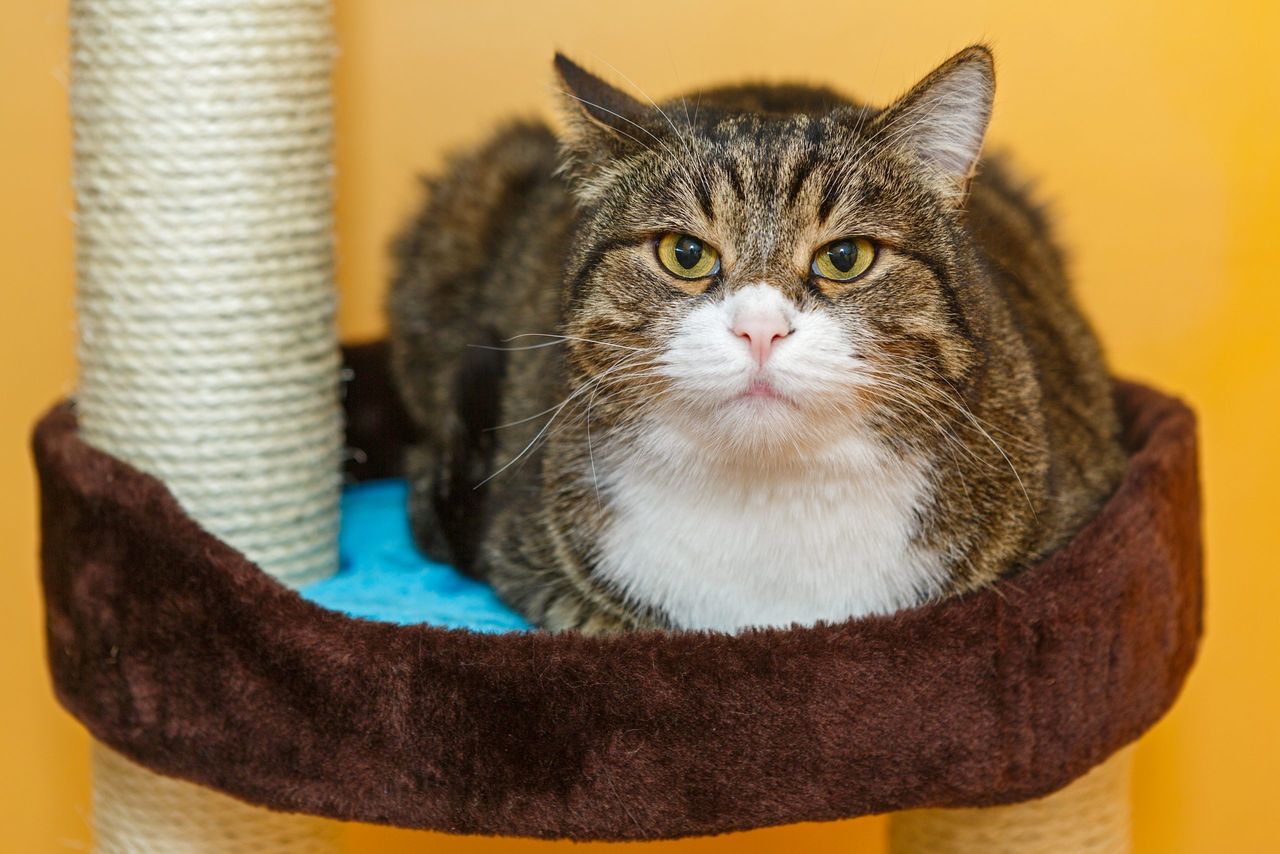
[
  {"x": 1090, "y": 816},
  {"x": 207, "y": 349}
]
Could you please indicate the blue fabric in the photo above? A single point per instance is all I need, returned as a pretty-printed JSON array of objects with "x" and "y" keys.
[{"x": 383, "y": 577}]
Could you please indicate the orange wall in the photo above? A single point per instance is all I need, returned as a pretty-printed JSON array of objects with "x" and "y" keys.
[{"x": 1155, "y": 129}]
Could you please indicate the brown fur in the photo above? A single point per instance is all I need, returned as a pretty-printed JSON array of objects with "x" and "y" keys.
[{"x": 1009, "y": 396}]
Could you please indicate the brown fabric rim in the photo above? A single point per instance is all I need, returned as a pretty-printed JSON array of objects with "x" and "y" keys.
[{"x": 170, "y": 647}]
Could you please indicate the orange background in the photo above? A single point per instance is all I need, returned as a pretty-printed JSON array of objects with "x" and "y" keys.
[{"x": 1154, "y": 128}]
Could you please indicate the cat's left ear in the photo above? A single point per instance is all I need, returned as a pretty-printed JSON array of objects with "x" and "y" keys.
[
  {"x": 602, "y": 122},
  {"x": 942, "y": 120}
]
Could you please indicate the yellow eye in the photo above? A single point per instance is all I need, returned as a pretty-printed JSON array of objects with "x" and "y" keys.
[
  {"x": 688, "y": 257},
  {"x": 844, "y": 260}
]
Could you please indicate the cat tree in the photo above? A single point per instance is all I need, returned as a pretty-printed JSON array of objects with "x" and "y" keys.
[{"x": 197, "y": 476}]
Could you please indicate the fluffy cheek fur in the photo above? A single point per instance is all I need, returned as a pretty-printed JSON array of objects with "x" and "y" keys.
[
  {"x": 816, "y": 371},
  {"x": 731, "y": 509},
  {"x": 728, "y": 509}
]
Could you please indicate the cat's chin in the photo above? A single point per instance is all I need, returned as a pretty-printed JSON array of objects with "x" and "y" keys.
[{"x": 755, "y": 427}]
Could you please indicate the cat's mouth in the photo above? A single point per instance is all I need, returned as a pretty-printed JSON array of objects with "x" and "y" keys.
[{"x": 762, "y": 389}]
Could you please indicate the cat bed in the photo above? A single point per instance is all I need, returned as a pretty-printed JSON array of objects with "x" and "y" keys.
[{"x": 173, "y": 649}]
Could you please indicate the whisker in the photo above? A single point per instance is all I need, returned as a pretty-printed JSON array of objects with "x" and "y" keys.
[
  {"x": 963, "y": 409},
  {"x": 572, "y": 338},
  {"x": 560, "y": 340},
  {"x": 620, "y": 116},
  {"x": 578, "y": 392},
  {"x": 641, "y": 90}
]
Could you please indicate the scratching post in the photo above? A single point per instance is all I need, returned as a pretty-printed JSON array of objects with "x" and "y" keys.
[
  {"x": 1089, "y": 816},
  {"x": 140, "y": 812},
  {"x": 204, "y": 291}
]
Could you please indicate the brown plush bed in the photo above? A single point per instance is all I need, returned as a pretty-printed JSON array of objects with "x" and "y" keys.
[{"x": 176, "y": 651}]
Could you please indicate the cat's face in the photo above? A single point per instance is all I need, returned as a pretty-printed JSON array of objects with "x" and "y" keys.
[{"x": 767, "y": 281}]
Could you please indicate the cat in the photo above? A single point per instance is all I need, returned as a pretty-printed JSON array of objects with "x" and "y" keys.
[{"x": 757, "y": 356}]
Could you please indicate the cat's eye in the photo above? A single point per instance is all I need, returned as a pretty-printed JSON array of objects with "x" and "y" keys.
[
  {"x": 844, "y": 260},
  {"x": 687, "y": 257}
]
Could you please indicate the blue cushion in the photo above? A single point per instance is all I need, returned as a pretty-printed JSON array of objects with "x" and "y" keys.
[{"x": 383, "y": 577}]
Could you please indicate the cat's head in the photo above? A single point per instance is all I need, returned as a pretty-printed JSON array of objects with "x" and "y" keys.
[{"x": 766, "y": 269}]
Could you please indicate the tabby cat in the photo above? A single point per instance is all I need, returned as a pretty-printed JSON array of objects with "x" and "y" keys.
[{"x": 761, "y": 355}]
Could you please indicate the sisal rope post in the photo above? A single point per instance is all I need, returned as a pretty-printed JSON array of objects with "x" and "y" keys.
[
  {"x": 207, "y": 349},
  {"x": 1089, "y": 816}
]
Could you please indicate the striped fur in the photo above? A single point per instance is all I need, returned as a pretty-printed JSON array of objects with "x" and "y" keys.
[{"x": 586, "y": 444}]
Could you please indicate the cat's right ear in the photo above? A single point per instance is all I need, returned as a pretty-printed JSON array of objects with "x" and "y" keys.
[
  {"x": 941, "y": 122},
  {"x": 602, "y": 122}
]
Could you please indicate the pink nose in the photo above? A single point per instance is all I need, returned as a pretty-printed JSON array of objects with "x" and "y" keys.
[{"x": 761, "y": 331}]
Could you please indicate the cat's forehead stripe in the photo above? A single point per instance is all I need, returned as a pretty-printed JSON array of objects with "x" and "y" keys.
[
  {"x": 830, "y": 195},
  {"x": 770, "y": 163},
  {"x": 735, "y": 178},
  {"x": 804, "y": 167},
  {"x": 702, "y": 191}
]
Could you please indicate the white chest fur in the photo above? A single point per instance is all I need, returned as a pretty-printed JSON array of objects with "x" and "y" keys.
[{"x": 720, "y": 551}]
